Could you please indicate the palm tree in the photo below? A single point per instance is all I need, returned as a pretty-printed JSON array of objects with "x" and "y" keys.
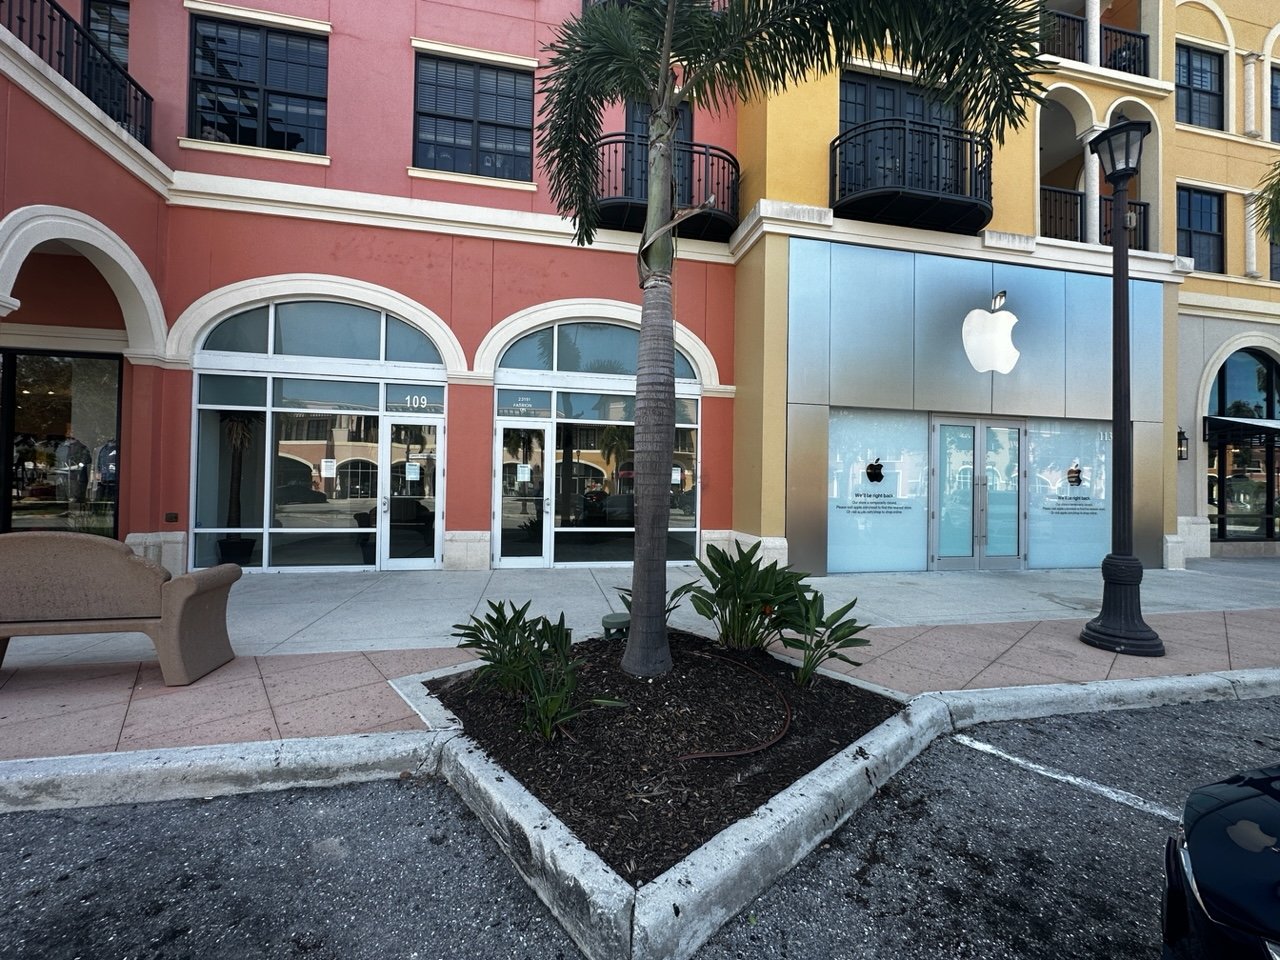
[
  {"x": 615, "y": 446},
  {"x": 1266, "y": 204},
  {"x": 715, "y": 52}
]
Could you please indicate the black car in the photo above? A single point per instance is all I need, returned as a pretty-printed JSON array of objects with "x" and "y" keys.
[{"x": 1222, "y": 872}]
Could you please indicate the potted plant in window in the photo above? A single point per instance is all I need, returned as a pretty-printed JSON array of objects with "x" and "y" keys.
[{"x": 238, "y": 427}]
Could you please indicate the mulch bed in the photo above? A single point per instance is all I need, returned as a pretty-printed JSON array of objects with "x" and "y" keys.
[{"x": 620, "y": 778}]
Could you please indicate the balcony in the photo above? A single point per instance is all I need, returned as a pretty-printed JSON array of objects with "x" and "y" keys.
[
  {"x": 58, "y": 40},
  {"x": 912, "y": 174},
  {"x": 702, "y": 172},
  {"x": 1123, "y": 50},
  {"x": 1062, "y": 218}
]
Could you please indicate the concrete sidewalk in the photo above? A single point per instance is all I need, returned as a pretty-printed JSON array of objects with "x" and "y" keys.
[{"x": 315, "y": 651}]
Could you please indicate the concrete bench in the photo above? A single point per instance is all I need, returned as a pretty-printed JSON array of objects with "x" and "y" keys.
[{"x": 64, "y": 583}]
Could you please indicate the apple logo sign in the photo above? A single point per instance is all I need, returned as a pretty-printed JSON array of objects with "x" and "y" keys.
[
  {"x": 1073, "y": 475},
  {"x": 988, "y": 337},
  {"x": 1249, "y": 836},
  {"x": 875, "y": 471}
]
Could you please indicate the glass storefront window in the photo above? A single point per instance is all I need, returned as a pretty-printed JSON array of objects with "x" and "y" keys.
[
  {"x": 64, "y": 468},
  {"x": 1068, "y": 510},
  {"x": 406, "y": 344},
  {"x": 331, "y": 394},
  {"x": 877, "y": 491},
  {"x": 327, "y": 329},
  {"x": 1243, "y": 482},
  {"x": 584, "y": 347}
]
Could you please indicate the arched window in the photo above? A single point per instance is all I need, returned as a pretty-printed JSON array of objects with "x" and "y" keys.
[
  {"x": 584, "y": 347},
  {"x": 1241, "y": 430}
]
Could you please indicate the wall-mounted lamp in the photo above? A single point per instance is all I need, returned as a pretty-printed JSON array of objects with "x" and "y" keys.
[{"x": 1183, "y": 451}]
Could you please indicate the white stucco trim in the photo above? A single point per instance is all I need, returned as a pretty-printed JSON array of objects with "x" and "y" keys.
[
  {"x": 421, "y": 173},
  {"x": 61, "y": 98},
  {"x": 1230, "y": 69},
  {"x": 456, "y": 52},
  {"x": 231, "y": 12},
  {"x": 262, "y": 153},
  {"x": 39, "y": 336},
  {"x": 525, "y": 321},
  {"x": 27, "y": 227},
  {"x": 200, "y": 316}
]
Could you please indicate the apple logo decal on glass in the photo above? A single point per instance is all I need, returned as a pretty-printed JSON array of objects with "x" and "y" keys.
[
  {"x": 1073, "y": 475},
  {"x": 988, "y": 337},
  {"x": 875, "y": 471}
]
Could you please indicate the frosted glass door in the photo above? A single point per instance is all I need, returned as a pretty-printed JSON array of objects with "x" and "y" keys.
[
  {"x": 956, "y": 492},
  {"x": 1002, "y": 490}
]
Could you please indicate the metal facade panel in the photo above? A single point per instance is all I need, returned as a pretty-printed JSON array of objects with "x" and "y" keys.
[
  {"x": 1088, "y": 346},
  {"x": 1036, "y": 386},
  {"x": 872, "y": 330},
  {"x": 1148, "y": 493},
  {"x": 809, "y": 294},
  {"x": 946, "y": 289},
  {"x": 1146, "y": 350},
  {"x": 807, "y": 487}
]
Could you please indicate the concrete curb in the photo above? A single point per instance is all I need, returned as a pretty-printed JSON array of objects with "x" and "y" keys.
[
  {"x": 184, "y": 773},
  {"x": 670, "y": 918}
]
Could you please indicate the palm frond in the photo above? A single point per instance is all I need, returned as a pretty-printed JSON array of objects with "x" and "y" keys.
[
  {"x": 1266, "y": 204},
  {"x": 607, "y": 54}
]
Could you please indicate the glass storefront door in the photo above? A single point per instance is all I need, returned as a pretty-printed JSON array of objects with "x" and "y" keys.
[
  {"x": 522, "y": 530},
  {"x": 978, "y": 511},
  {"x": 408, "y": 535}
]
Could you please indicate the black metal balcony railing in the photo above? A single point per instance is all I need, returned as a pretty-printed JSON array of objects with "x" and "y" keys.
[
  {"x": 1062, "y": 218},
  {"x": 1124, "y": 50},
  {"x": 1065, "y": 36},
  {"x": 702, "y": 172},
  {"x": 58, "y": 40},
  {"x": 1138, "y": 233},
  {"x": 1061, "y": 214},
  {"x": 912, "y": 173}
]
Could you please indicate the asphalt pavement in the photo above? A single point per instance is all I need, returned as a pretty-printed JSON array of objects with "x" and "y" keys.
[{"x": 1026, "y": 839}]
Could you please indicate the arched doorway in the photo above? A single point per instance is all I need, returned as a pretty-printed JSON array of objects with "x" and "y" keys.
[
  {"x": 565, "y": 414},
  {"x": 1242, "y": 432}
]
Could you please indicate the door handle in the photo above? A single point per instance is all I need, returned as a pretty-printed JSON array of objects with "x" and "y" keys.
[{"x": 386, "y": 504}]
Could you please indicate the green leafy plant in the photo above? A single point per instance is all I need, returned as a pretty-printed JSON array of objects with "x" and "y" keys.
[
  {"x": 820, "y": 636},
  {"x": 504, "y": 642},
  {"x": 674, "y": 599},
  {"x": 744, "y": 599},
  {"x": 532, "y": 660}
]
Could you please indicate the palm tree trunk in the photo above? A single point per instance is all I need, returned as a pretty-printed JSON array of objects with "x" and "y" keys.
[{"x": 648, "y": 653}]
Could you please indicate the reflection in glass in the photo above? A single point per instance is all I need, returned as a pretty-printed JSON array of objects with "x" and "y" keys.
[
  {"x": 597, "y": 348},
  {"x": 412, "y": 506},
  {"x": 330, "y": 394},
  {"x": 530, "y": 352},
  {"x": 210, "y": 548},
  {"x": 421, "y": 398},
  {"x": 1002, "y": 493},
  {"x": 65, "y": 457},
  {"x": 243, "y": 333},
  {"x": 406, "y": 344},
  {"x": 1244, "y": 464},
  {"x": 522, "y": 492},
  {"x": 230, "y": 467},
  {"x": 351, "y": 549},
  {"x": 524, "y": 403},
  {"x": 321, "y": 328},
  {"x": 956, "y": 493},
  {"x": 325, "y": 470},
  {"x": 233, "y": 391}
]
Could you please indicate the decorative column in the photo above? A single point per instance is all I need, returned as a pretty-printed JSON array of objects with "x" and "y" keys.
[
  {"x": 1093, "y": 32},
  {"x": 1092, "y": 189},
  {"x": 1251, "y": 126},
  {"x": 1251, "y": 237}
]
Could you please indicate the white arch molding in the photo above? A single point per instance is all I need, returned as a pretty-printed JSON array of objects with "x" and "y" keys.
[
  {"x": 1253, "y": 340},
  {"x": 24, "y": 229},
  {"x": 205, "y": 313},
  {"x": 530, "y": 319},
  {"x": 1269, "y": 61},
  {"x": 1150, "y": 176}
]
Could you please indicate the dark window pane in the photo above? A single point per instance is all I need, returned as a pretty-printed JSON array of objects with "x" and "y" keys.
[
  {"x": 237, "y": 68},
  {"x": 473, "y": 118}
]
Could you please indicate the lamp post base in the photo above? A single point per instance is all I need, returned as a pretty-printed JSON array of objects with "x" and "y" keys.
[{"x": 1120, "y": 627}]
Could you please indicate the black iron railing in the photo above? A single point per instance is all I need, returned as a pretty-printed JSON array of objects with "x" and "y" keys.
[
  {"x": 1124, "y": 50},
  {"x": 910, "y": 155},
  {"x": 1061, "y": 214},
  {"x": 701, "y": 172},
  {"x": 58, "y": 40},
  {"x": 1138, "y": 233},
  {"x": 1065, "y": 36}
]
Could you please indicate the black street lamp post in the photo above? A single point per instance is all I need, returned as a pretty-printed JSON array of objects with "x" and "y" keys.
[{"x": 1120, "y": 627}]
